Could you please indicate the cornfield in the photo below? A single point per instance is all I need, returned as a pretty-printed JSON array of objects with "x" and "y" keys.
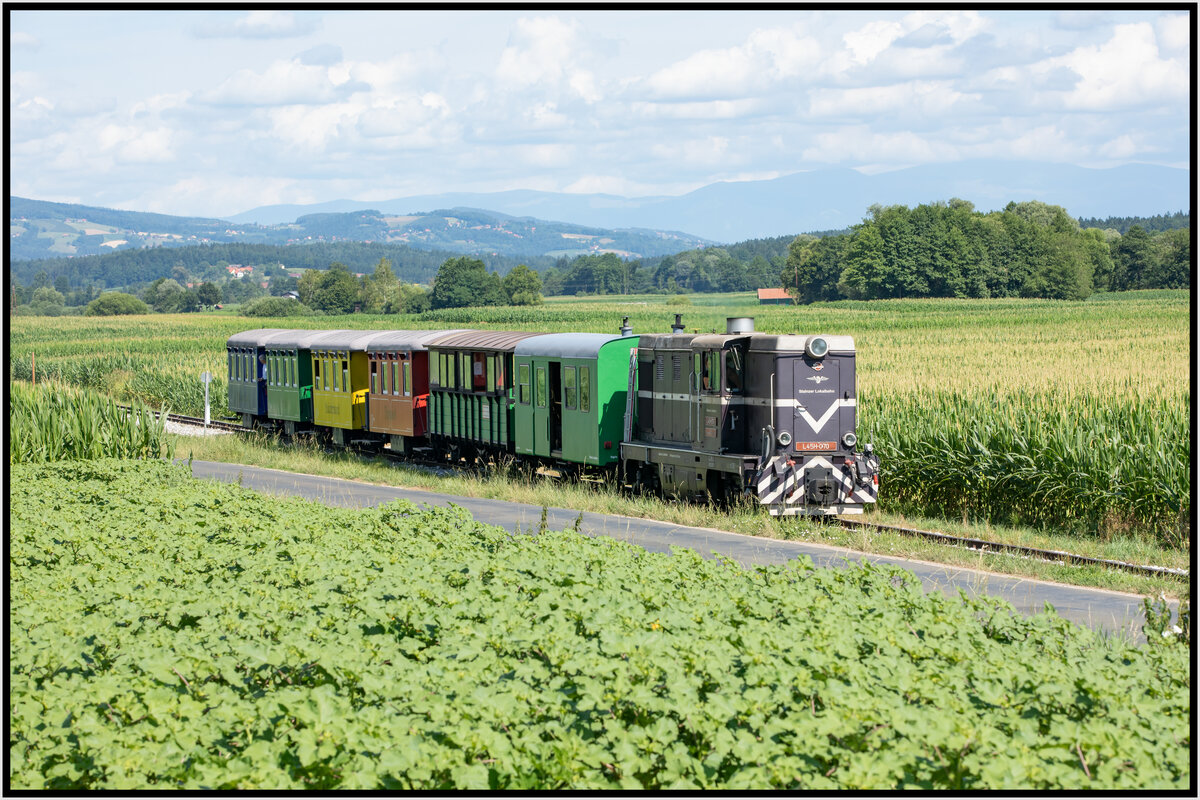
[
  {"x": 1098, "y": 463},
  {"x": 53, "y": 422},
  {"x": 1063, "y": 413}
]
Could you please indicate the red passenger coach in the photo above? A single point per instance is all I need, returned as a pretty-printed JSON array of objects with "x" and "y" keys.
[{"x": 398, "y": 395}]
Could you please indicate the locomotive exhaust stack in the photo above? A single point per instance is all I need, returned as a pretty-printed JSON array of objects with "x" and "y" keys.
[{"x": 739, "y": 325}]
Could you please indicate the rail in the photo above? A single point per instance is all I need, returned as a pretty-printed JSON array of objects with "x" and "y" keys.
[{"x": 983, "y": 545}]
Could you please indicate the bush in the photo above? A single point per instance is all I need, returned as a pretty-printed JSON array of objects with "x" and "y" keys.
[
  {"x": 275, "y": 307},
  {"x": 111, "y": 304},
  {"x": 680, "y": 300}
]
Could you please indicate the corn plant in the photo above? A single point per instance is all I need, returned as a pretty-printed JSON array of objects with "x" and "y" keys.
[{"x": 53, "y": 422}]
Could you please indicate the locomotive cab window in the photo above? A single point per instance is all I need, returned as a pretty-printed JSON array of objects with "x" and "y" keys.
[
  {"x": 734, "y": 375},
  {"x": 710, "y": 371}
]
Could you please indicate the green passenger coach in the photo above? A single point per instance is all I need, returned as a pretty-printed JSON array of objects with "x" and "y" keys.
[
  {"x": 471, "y": 390},
  {"x": 247, "y": 389},
  {"x": 571, "y": 396},
  {"x": 289, "y": 379}
]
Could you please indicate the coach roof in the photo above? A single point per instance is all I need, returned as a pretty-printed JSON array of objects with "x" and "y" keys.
[
  {"x": 503, "y": 341},
  {"x": 568, "y": 345},
  {"x": 255, "y": 338},
  {"x": 409, "y": 340},
  {"x": 345, "y": 340}
]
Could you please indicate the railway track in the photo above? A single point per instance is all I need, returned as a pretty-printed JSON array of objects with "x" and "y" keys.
[
  {"x": 984, "y": 546},
  {"x": 198, "y": 422},
  {"x": 981, "y": 545}
]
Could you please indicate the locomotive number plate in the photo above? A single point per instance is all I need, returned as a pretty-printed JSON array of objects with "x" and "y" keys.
[{"x": 816, "y": 445}]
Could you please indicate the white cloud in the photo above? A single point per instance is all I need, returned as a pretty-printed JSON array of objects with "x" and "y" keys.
[
  {"x": 1126, "y": 71},
  {"x": 712, "y": 150},
  {"x": 1173, "y": 33},
  {"x": 766, "y": 57},
  {"x": 920, "y": 98},
  {"x": 283, "y": 83},
  {"x": 25, "y": 41},
  {"x": 711, "y": 110},
  {"x": 859, "y": 144},
  {"x": 872, "y": 39},
  {"x": 546, "y": 52},
  {"x": 261, "y": 25}
]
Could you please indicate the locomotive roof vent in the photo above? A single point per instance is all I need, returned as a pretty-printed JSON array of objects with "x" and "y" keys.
[
  {"x": 677, "y": 326},
  {"x": 626, "y": 329},
  {"x": 735, "y": 325}
]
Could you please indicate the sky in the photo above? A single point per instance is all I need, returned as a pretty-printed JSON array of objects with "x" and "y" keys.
[{"x": 211, "y": 113}]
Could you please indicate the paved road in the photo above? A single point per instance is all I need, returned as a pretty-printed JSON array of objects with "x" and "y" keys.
[{"x": 1109, "y": 611}]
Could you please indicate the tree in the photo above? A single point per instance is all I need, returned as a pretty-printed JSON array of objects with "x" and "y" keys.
[
  {"x": 62, "y": 284},
  {"x": 164, "y": 295},
  {"x": 188, "y": 301},
  {"x": 1132, "y": 257},
  {"x": 338, "y": 290},
  {"x": 307, "y": 287},
  {"x": 380, "y": 293},
  {"x": 523, "y": 286},
  {"x": 115, "y": 303},
  {"x": 412, "y": 299},
  {"x": 463, "y": 282},
  {"x": 209, "y": 294},
  {"x": 1172, "y": 267},
  {"x": 47, "y": 302}
]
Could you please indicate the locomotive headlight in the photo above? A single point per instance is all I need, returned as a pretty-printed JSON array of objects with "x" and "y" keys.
[
  {"x": 816, "y": 347},
  {"x": 785, "y": 438},
  {"x": 850, "y": 440}
]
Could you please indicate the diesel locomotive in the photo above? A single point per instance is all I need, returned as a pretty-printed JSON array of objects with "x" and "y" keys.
[{"x": 716, "y": 416}]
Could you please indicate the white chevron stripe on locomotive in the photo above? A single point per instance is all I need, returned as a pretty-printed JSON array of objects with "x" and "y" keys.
[{"x": 817, "y": 424}]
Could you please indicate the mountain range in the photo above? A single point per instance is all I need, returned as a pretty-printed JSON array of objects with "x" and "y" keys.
[{"x": 826, "y": 199}]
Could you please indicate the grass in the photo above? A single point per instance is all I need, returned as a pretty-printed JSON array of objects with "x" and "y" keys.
[{"x": 265, "y": 451}]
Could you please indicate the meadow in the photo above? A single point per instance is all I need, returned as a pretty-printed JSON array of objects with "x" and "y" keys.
[{"x": 1073, "y": 414}]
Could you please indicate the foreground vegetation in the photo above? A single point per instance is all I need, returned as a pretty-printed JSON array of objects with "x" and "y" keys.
[
  {"x": 1067, "y": 414},
  {"x": 225, "y": 643}
]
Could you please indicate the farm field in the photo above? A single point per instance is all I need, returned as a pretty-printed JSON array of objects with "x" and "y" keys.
[
  {"x": 222, "y": 642},
  {"x": 1071, "y": 415}
]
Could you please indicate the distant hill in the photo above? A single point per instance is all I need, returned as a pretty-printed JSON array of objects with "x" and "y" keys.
[
  {"x": 826, "y": 199},
  {"x": 39, "y": 230}
]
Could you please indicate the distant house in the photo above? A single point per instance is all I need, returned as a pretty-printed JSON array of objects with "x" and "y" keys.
[
  {"x": 293, "y": 295},
  {"x": 767, "y": 297},
  {"x": 238, "y": 271}
]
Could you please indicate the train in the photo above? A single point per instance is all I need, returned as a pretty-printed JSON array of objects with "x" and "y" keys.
[{"x": 716, "y": 417}]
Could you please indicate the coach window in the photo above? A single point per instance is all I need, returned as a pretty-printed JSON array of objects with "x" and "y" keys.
[
  {"x": 491, "y": 371},
  {"x": 345, "y": 374},
  {"x": 374, "y": 377},
  {"x": 540, "y": 389},
  {"x": 523, "y": 383},
  {"x": 316, "y": 365},
  {"x": 325, "y": 372},
  {"x": 230, "y": 355},
  {"x": 585, "y": 390},
  {"x": 569, "y": 386},
  {"x": 407, "y": 386}
]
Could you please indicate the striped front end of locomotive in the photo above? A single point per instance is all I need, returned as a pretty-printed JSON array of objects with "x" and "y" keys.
[
  {"x": 812, "y": 464},
  {"x": 817, "y": 485}
]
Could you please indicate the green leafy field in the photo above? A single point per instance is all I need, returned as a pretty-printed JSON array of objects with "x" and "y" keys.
[{"x": 170, "y": 633}]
